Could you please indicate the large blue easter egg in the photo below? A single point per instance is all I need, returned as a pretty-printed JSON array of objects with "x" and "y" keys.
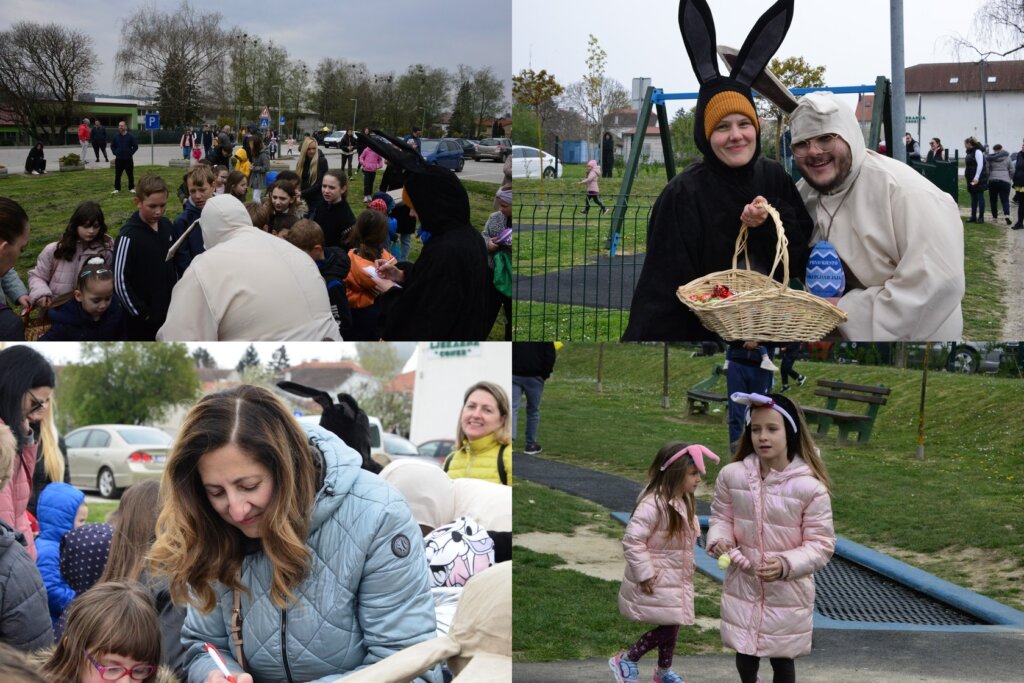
[{"x": 825, "y": 276}]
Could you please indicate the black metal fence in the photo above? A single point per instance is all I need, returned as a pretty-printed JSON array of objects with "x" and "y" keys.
[{"x": 574, "y": 278}]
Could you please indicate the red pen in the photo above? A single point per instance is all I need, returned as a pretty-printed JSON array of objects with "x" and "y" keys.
[{"x": 215, "y": 656}]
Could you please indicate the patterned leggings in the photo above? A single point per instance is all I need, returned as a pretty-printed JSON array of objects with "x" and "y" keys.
[{"x": 661, "y": 637}]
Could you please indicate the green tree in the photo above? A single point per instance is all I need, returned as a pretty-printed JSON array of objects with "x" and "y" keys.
[
  {"x": 393, "y": 408},
  {"x": 279, "y": 361},
  {"x": 202, "y": 358},
  {"x": 536, "y": 90},
  {"x": 681, "y": 129},
  {"x": 793, "y": 72},
  {"x": 129, "y": 383},
  {"x": 488, "y": 97},
  {"x": 461, "y": 124},
  {"x": 249, "y": 359},
  {"x": 380, "y": 360}
]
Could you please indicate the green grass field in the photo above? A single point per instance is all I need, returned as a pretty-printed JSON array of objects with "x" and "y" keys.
[
  {"x": 50, "y": 200},
  {"x": 958, "y": 513}
]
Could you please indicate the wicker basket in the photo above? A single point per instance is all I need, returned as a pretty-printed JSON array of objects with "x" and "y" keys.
[
  {"x": 760, "y": 307},
  {"x": 37, "y": 323}
]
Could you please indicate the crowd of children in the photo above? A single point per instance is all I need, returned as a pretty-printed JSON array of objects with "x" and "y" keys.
[{"x": 74, "y": 289}]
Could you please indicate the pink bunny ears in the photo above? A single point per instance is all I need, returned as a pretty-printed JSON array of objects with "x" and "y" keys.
[
  {"x": 761, "y": 401},
  {"x": 696, "y": 452}
]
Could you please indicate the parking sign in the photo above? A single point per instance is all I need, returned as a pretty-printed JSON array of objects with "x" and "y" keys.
[{"x": 152, "y": 121}]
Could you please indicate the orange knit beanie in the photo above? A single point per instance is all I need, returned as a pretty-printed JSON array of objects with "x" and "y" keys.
[{"x": 724, "y": 103}]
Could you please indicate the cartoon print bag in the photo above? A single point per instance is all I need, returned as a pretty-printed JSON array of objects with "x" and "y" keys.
[{"x": 457, "y": 551}]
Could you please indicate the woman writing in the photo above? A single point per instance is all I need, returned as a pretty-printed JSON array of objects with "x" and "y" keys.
[{"x": 318, "y": 554}]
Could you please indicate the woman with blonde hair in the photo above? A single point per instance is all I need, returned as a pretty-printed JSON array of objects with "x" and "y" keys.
[
  {"x": 52, "y": 457},
  {"x": 311, "y": 167},
  {"x": 277, "y": 525},
  {"x": 483, "y": 436}
]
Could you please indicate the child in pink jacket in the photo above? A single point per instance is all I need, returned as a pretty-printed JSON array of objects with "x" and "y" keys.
[
  {"x": 658, "y": 544},
  {"x": 772, "y": 502},
  {"x": 59, "y": 263},
  {"x": 370, "y": 162},
  {"x": 592, "y": 190}
]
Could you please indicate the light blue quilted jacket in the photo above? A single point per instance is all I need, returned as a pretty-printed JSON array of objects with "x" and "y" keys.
[{"x": 367, "y": 595}]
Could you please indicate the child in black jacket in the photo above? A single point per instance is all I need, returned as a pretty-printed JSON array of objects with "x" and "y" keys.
[{"x": 334, "y": 265}]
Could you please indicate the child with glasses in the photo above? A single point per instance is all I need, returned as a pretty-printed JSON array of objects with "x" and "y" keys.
[
  {"x": 93, "y": 313},
  {"x": 112, "y": 634},
  {"x": 60, "y": 262}
]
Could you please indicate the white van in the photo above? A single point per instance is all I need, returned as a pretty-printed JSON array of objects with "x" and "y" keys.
[{"x": 376, "y": 431}]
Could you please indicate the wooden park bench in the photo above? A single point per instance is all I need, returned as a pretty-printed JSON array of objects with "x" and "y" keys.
[
  {"x": 702, "y": 394},
  {"x": 834, "y": 391}
]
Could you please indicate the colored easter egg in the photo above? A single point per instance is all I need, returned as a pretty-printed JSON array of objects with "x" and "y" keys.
[
  {"x": 825, "y": 276},
  {"x": 724, "y": 561}
]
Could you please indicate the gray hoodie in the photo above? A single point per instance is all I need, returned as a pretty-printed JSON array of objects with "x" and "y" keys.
[{"x": 999, "y": 165}]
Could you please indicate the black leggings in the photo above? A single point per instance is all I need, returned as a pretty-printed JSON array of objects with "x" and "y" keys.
[
  {"x": 592, "y": 197},
  {"x": 783, "y": 668}
]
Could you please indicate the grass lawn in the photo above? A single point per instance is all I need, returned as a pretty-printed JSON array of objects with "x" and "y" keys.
[
  {"x": 51, "y": 199},
  {"x": 959, "y": 513},
  {"x": 98, "y": 511},
  {"x": 559, "y": 247}
]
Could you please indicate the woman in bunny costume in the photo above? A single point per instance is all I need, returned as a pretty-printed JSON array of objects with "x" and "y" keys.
[{"x": 696, "y": 219}]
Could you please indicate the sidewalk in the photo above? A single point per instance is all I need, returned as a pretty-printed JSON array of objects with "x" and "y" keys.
[{"x": 838, "y": 657}]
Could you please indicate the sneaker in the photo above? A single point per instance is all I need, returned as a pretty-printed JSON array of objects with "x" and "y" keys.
[
  {"x": 1007, "y": 219},
  {"x": 533, "y": 448},
  {"x": 584, "y": 210},
  {"x": 768, "y": 365},
  {"x": 725, "y": 364},
  {"x": 604, "y": 210},
  {"x": 625, "y": 671},
  {"x": 667, "y": 676},
  {"x": 801, "y": 379},
  {"x": 35, "y": 172},
  {"x": 1018, "y": 226},
  {"x": 784, "y": 389},
  {"x": 114, "y": 191}
]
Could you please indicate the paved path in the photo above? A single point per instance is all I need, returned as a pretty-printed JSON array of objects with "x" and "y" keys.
[{"x": 14, "y": 159}]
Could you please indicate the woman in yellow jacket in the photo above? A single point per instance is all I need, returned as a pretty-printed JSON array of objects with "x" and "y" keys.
[{"x": 483, "y": 432}]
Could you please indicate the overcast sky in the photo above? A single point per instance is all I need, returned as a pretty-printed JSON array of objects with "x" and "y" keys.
[
  {"x": 642, "y": 37},
  {"x": 386, "y": 36}
]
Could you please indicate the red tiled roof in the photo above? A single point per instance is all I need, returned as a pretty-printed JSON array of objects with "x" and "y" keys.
[
  {"x": 402, "y": 384},
  {"x": 935, "y": 78}
]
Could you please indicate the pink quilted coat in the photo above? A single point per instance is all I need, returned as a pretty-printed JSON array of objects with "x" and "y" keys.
[
  {"x": 53, "y": 277},
  {"x": 652, "y": 553},
  {"x": 786, "y": 515},
  {"x": 14, "y": 497}
]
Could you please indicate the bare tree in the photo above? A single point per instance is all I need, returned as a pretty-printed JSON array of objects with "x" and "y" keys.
[
  {"x": 487, "y": 93},
  {"x": 610, "y": 96},
  {"x": 997, "y": 23},
  {"x": 44, "y": 68},
  {"x": 183, "y": 44}
]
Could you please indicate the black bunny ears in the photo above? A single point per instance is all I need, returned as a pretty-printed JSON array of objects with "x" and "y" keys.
[{"x": 698, "y": 29}]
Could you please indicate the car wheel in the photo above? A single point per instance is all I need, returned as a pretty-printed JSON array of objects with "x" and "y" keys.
[
  {"x": 105, "y": 483},
  {"x": 476, "y": 158},
  {"x": 964, "y": 360},
  {"x": 549, "y": 172},
  {"x": 462, "y": 165}
]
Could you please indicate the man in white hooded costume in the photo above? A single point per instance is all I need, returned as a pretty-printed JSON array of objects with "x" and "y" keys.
[
  {"x": 248, "y": 285},
  {"x": 899, "y": 237}
]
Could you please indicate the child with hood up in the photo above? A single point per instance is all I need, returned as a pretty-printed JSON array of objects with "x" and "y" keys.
[
  {"x": 592, "y": 190},
  {"x": 61, "y": 508}
]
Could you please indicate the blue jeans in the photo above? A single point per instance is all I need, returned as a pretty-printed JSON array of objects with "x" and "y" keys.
[
  {"x": 186, "y": 152},
  {"x": 977, "y": 204},
  {"x": 749, "y": 380},
  {"x": 533, "y": 387},
  {"x": 404, "y": 243}
]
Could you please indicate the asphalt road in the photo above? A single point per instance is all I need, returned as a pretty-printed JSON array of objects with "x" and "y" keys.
[{"x": 14, "y": 159}]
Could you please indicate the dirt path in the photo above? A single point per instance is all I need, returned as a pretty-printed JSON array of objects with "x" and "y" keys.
[
  {"x": 585, "y": 551},
  {"x": 1010, "y": 269}
]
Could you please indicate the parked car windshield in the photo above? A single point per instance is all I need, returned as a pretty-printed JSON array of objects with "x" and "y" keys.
[
  {"x": 428, "y": 146},
  {"x": 396, "y": 445},
  {"x": 144, "y": 435}
]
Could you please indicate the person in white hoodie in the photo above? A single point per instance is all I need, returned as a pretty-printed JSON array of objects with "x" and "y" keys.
[
  {"x": 899, "y": 237},
  {"x": 248, "y": 285}
]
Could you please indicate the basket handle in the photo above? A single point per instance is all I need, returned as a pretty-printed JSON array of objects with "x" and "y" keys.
[{"x": 781, "y": 244}]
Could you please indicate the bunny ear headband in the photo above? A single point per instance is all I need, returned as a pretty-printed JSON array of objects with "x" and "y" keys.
[
  {"x": 760, "y": 401},
  {"x": 721, "y": 95},
  {"x": 696, "y": 452}
]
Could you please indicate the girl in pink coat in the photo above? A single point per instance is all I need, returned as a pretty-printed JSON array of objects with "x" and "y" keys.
[
  {"x": 772, "y": 502},
  {"x": 592, "y": 189},
  {"x": 59, "y": 263},
  {"x": 658, "y": 544}
]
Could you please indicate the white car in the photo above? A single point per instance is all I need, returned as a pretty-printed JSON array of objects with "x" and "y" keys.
[
  {"x": 112, "y": 457},
  {"x": 529, "y": 162}
]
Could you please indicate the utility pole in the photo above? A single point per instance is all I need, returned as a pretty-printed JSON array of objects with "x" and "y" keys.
[{"x": 899, "y": 84}]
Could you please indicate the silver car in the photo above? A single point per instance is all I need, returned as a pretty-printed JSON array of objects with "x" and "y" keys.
[{"x": 110, "y": 458}]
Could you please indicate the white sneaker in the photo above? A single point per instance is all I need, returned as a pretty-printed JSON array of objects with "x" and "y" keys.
[
  {"x": 114, "y": 191},
  {"x": 35, "y": 172},
  {"x": 768, "y": 365}
]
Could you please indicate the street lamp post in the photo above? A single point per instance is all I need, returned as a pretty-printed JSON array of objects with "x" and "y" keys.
[
  {"x": 278, "y": 105},
  {"x": 355, "y": 108}
]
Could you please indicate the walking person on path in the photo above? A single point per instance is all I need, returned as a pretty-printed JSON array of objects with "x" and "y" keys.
[
  {"x": 591, "y": 181},
  {"x": 207, "y": 140},
  {"x": 124, "y": 147},
  {"x": 98, "y": 138},
  {"x": 999, "y": 175},
  {"x": 532, "y": 363},
  {"x": 83, "y": 139},
  {"x": 187, "y": 142},
  {"x": 659, "y": 543},
  {"x": 772, "y": 503},
  {"x": 790, "y": 354}
]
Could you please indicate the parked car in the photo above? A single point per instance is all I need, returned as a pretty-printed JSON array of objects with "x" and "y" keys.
[
  {"x": 444, "y": 152},
  {"x": 110, "y": 458},
  {"x": 495, "y": 149},
  {"x": 468, "y": 147},
  {"x": 965, "y": 357},
  {"x": 437, "y": 449},
  {"x": 529, "y": 162},
  {"x": 333, "y": 139}
]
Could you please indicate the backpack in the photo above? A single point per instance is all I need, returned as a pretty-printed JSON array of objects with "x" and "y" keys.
[{"x": 502, "y": 473}]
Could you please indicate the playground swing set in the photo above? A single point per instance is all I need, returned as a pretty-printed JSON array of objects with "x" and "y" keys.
[{"x": 943, "y": 173}]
